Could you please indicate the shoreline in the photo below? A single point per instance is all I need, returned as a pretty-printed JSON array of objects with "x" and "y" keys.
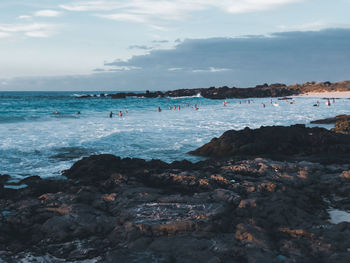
[{"x": 326, "y": 94}]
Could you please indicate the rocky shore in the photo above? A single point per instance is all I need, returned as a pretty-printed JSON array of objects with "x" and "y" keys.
[
  {"x": 259, "y": 91},
  {"x": 237, "y": 209}
]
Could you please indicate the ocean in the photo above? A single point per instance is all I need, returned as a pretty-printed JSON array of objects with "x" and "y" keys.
[{"x": 36, "y": 141}]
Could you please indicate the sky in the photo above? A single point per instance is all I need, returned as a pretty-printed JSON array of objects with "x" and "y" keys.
[{"x": 169, "y": 44}]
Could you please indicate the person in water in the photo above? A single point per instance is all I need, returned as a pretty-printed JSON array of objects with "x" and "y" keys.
[
  {"x": 56, "y": 112},
  {"x": 111, "y": 115},
  {"x": 178, "y": 107},
  {"x": 78, "y": 112},
  {"x": 195, "y": 107},
  {"x": 159, "y": 109},
  {"x": 120, "y": 114},
  {"x": 169, "y": 108}
]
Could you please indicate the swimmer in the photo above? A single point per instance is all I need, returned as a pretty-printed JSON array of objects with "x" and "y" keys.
[
  {"x": 195, "y": 107},
  {"x": 120, "y": 114},
  {"x": 174, "y": 107},
  {"x": 178, "y": 107},
  {"x": 111, "y": 115},
  {"x": 169, "y": 108},
  {"x": 159, "y": 109},
  {"x": 263, "y": 105},
  {"x": 78, "y": 112},
  {"x": 56, "y": 112}
]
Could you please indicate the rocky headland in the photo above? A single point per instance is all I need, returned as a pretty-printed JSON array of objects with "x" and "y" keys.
[
  {"x": 242, "y": 208},
  {"x": 259, "y": 91}
]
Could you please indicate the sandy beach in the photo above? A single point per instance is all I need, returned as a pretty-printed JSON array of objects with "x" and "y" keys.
[{"x": 335, "y": 94}]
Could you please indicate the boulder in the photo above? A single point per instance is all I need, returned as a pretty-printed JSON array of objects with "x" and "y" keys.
[{"x": 279, "y": 142}]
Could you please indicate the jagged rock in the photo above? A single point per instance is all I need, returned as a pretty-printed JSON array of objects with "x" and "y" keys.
[
  {"x": 278, "y": 141},
  {"x": 131, "y": 210}
]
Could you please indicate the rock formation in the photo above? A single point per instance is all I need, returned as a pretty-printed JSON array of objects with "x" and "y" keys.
[
  {"x": 260, "y": 91},
  {"x": 129, "y": 210},
  {"x": 280, "y": 142}
]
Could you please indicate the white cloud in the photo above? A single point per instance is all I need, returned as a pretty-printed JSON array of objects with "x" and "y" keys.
[
  {"x": 304, "y": 27},
  {"x": 39, "y": 34},
  {"x": 211, "y": 69},
  {"x": 29, "y": 30},
  {"x": 174, "y": 69},
  {"x": 24, "y": 17},
  {"x": 124, "y": 68},
  {"x": 47, "y": 13},
  {"x": 149, "y": 10},
  {"x": 125, "y": 17},
  {"x": 4, "y": 35}
]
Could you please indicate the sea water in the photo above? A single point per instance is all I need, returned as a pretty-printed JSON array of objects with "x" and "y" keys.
[{"x": 36, "y": 141}]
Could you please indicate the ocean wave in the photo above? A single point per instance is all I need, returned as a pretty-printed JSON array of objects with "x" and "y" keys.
[{"x": 198, "y": 95}]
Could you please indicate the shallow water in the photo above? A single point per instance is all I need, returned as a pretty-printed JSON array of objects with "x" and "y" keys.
[
  {"x": 338, "y": 216},
  {"x": 35, "y": 141}
]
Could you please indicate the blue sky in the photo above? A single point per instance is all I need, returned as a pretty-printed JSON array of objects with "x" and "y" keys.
[{"x": 121, "y": 44}]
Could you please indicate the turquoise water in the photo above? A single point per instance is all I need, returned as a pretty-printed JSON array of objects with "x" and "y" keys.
[{"x": 36, "y": 141}]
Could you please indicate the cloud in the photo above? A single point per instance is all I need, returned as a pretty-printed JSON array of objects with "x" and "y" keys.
[
  {"x": 99, "y": 70},
  {"x": 160, "y": 41},
  {"x": 143, "y": 47},
  {"x": 47, "y": 13},
  {"x": 174, "y": 69},
  {"x": 314, "y": 26},
  {"x": 124, "y": 68},
  {"x": 38, "y": 34},
  {"x": 210, "y": 69},
  {"x": 4, "y": 35},
  {"x": 149, "y": 11},
  {"x": 285, "y": 57},
  {"x": 29, "y": 30},
  {"x": 24, "y": 17},
  {"x": 124, "y": 17}
]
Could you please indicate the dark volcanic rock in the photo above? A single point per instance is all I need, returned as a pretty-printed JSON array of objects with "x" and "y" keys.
[
  {"x": 130, "y": 210},
  {"x": 278, "y": 141},
  {"x": 333, "y": 120},
  {"x": 259, "y": 91},
  {"x": 342, "y": 126}
]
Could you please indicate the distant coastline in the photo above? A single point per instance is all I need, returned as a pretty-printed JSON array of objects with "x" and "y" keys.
[{"x": 313, "y": 89}]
